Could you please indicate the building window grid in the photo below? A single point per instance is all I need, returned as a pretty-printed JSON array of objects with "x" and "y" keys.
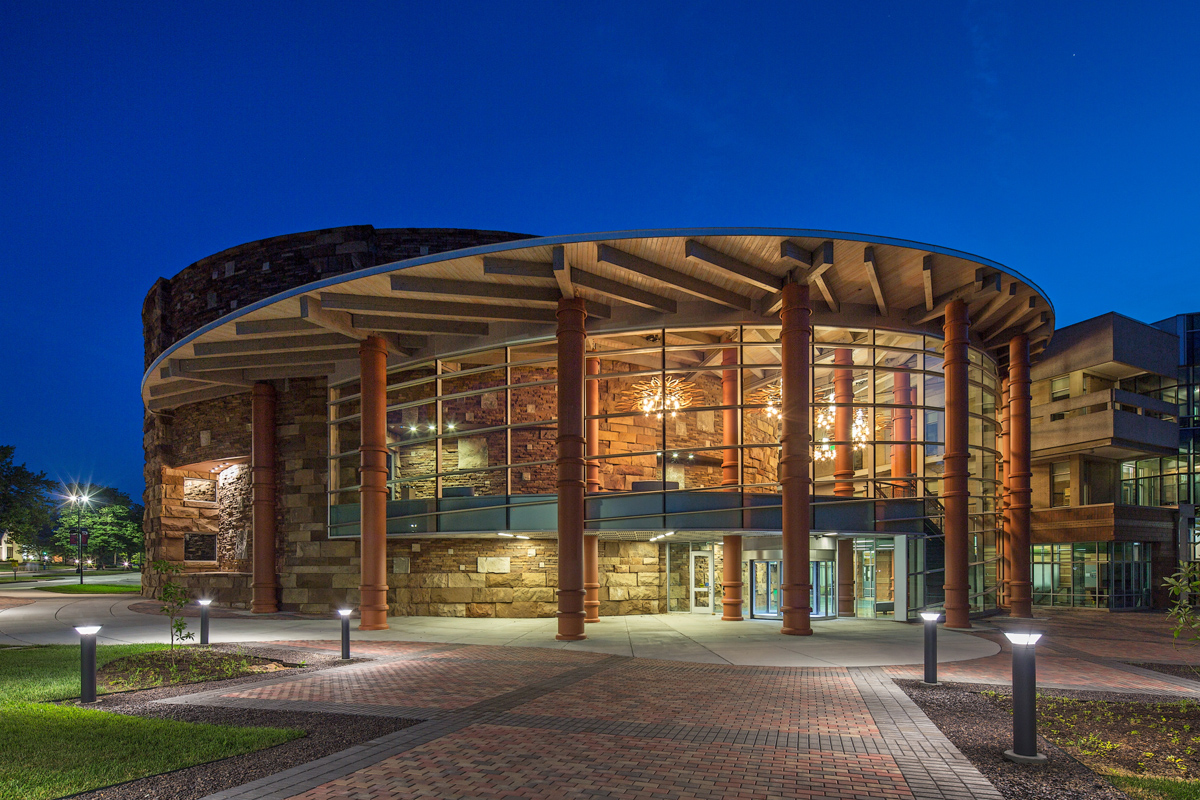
[{"x": 1113, "y": 575}]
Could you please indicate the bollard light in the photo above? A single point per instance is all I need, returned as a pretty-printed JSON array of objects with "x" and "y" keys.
[
  {"x": 1024, "y": 682},
  {"x": 345, "y": 615},
  {"x": 87, "y": 662},
  {"x": 931, "y": 620},
  {"x": 204, "y": 619}
]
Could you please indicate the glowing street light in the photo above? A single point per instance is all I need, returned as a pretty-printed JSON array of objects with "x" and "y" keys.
[
  {"x": 1024, "y": 683},
  {"x": 931, "y": 620},
  {"x": 204, "y": 603},
  {"x": 344, "y": 613},
  {"x": 87, "y": 662}
]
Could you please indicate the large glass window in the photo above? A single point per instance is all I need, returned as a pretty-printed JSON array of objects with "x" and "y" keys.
[
  {"x": 1091, "y": 574},
  {"x": 1060, "y": 483}
]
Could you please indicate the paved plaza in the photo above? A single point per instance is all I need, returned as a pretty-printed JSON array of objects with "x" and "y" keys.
[{"x": 673, "y": 706}]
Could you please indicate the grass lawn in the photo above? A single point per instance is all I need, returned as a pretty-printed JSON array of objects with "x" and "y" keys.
[
  {"x": 59, "y": 750},
  {"x": 91, "y": 588},
  {"x": 52, "y": 672},
  {"x": 1140, "y": 788},
  {"x": 62, "y": 750}
]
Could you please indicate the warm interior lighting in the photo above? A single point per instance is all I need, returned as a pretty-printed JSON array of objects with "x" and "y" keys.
[
  {"x": 1023, "y": 638},
  {"x": 772, "y": 397},
  {"x": 520, "y": 536},
  {"x": 823, "y": 447},
  {"x": 509, "y": 535},
  {"x": 658, "y": 396},
  {"x": 88, "y": 630}
]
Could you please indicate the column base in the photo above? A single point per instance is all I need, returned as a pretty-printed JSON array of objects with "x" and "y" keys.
[
  {"x": 732, "y": 619},
  {"x": 570, "y": 626},
  {"x": 264, "y": 609},
  {"x": 796, "y": 631}
]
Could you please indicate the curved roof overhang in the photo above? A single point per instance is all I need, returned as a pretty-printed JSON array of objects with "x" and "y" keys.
[{"x": 507, "y": 292}]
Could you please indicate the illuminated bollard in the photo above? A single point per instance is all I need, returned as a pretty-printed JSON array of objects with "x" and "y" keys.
[
  {"x": 204, "y": 620},
  {"x": 931, "y": 620},
  {"x": 345, "y": 614},
  {"x": 1024, "y": 682},
  {"x": 87, "y": 662}
]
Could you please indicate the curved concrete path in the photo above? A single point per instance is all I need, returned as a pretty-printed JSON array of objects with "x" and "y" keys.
[{"x": 674, "y": 637}]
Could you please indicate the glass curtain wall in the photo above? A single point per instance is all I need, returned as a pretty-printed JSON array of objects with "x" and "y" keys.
[
  {"x": 472, "y": 436},
  {"x": 1091, "y": 574}
]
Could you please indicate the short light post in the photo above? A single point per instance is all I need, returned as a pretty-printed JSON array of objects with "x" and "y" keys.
[
  {"x": 1024, "y": 682},
  {"x": 344, "y": 613},
  {"x": 931, "y": 620},
  {"x": 204, "y": 603},
  {"x": 87, "y": 662}
]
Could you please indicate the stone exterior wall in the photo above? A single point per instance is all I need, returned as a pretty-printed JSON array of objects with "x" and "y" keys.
[
  {"x": 220, "y": 283},
  {"x": 235, "y": 505}
]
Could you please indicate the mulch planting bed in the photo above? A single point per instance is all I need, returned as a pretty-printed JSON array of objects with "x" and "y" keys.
[
  {"x": 326, "y": 733},
  {"x": 1084, "y": 734},
  {"x": 184, "y": 664},
  {"x": 1185, "y": 671},
  {"x": 13, "y": 602}
]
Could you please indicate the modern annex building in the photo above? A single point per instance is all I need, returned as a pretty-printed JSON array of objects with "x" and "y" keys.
[{"x": 763, "y": 422}]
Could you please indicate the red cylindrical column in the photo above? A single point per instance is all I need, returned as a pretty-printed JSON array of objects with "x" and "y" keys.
[
  {"x": 955, "y": 489},
  {"x": 262, "y": 476},
  {"x": 1019, "y": 490},
  {"x": 795, "y": 457},
  {"x": 571, "y": 467},
  {"x": 845, "y": 577},
  {"x": 731, "y": 578},
  {"x": 901, "y": 435},
  {"x": 843, "y": 423},
  {"x": 1003, "y": 544},
  {"x": 373, "y": 608},
  {"x": 591, "y": 578},
  {"x": 593, "y": 429},
  {"x": 729, "y": 421},
  {"x": 915, "y": 434}
]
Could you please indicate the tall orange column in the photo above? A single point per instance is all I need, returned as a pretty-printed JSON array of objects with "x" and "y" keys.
[
  {"x": 593, "y": 428},
  {"x": 729, "y": 419},
  {"x": 262, "y": 476},
  {"x": 843, "y": 424},
  {"x": 955, "y": 490},
  {"x": 916, "y": 435},
  {"x": 795, "y": 457},
  {"x": 845, "y": 577},
  {"x": 571, "y": 467},
  {"x": 901, "y": 435},
  {"x": 1019, "y": 491},
  {"x": 731, "y": 578},
  {"x": 372, "y": 357},
  {"x": 1004, "y": 545},
  {"x": 591, "y": 578}
]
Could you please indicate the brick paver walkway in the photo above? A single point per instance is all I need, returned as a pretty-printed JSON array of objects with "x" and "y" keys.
[{"x": 510, "y": 722}]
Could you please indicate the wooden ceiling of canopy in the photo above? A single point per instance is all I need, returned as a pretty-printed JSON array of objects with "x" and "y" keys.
[{"x": 508, "y": 292}]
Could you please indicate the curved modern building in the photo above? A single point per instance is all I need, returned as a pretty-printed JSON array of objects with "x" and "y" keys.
[{"x": 775, "y": 423}]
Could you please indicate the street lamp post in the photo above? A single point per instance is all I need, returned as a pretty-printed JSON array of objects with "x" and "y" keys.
[
  {"x": 78, "y": 500},
  {"x": 1024, "y": 672},
  {"x": 344, "y": 613},
  {"x": 204, "y": 619}
]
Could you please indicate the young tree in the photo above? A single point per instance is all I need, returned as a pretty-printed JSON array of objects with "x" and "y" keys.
[{"x": 25, "y": 502}]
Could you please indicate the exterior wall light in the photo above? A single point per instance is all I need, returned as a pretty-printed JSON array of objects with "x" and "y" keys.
[
  {"x": 1024, "y": 682},
  {"x": 931, "y": 620},
  {"x": 204, "y": 603},
  {"x": 344, "y": 613},
  {"x": 87, "y": 662},
  {"x": 509, "y": 535}
]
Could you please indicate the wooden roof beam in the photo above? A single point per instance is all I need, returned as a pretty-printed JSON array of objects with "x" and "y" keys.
[
  {"x": 676, "y": 280},
  {"x": 222, "y": 374},
  {"x": 381, "y": 322},
  {"x": 209, "y": 393},
  {"x": 810, "y": 267},
  {"x": 731, "y": 267},
  {"x": 562, "y": 273},
  {"x": 429, "y": 308},
  {"x": 219, "y": 364},
  {"x": 927, "y": 280},
  {"x": 1023, "y": 308},
  {"x": 622, "y": 291},
  {"x": 1003, "y": 297},
  {"x": 513, "y": 266},
  {"x": 873, "y": 279},
  {"x": 312, "y": 309},
  {"x": 322, "y": 340},
  {"x": 508, "y": 291},
  {"x": 256, "y": 327},
  {"x": 177, "y": 387},
  {"x": 982, "y": 284}
]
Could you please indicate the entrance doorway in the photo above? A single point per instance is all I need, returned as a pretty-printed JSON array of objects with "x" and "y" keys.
[
  {"x": 874, "y": 573},
  {"x": 766, "y": 579},
  {"x": 700, "y": 586}
]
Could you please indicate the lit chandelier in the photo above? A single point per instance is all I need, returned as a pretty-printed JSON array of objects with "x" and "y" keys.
[
  {"x": 658, "y": 396},
  {"x": 771, "y": 396},
  {"x": 824, "y": 448}
]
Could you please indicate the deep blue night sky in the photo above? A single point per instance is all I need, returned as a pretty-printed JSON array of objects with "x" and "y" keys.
[{"x": 136, "y": 139}]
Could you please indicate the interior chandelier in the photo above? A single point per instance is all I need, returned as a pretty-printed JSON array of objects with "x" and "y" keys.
[
  {"x": 658, "y": 396},
  {"x": 823, "y": 448}
]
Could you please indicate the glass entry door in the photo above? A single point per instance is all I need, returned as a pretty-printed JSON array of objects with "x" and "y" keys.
[
  {"x": 764, "y": 588},
  {"x": 700, "y": 590}
]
